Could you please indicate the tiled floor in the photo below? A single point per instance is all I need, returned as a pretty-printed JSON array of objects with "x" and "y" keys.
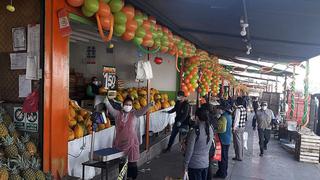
[{"x": 277, "y": 164}]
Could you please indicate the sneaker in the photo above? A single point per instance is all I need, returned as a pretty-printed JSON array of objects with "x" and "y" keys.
[
  {"x": 236, "y": 159},
  {"x": 166, "y": 150},
  {"x": 261, "y": 154}
]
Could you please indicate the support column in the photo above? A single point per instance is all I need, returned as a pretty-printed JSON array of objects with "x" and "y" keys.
[{"x": 56, "y": 93}]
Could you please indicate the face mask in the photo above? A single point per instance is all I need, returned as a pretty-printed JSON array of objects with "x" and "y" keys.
[
  {"x": 264, "y": 108},
  {"x": 179, "y": 98},
  {"x": 96, "y": 83},
  {"x": 127, "y": 108}
]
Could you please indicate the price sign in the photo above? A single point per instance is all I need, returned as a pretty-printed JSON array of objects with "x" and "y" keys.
[{"x": 109, "y": 74}]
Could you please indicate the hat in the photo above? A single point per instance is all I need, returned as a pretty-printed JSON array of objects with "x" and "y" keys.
[
  {"x": 225, "y": 106},
  {"x": 181, "y": 93}
]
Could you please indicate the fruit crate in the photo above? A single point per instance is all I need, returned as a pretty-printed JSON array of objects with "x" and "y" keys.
[{"x": 308, "y": 148}]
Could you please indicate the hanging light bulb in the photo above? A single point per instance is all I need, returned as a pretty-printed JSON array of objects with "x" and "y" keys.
[{"x": 10, "y": 7}]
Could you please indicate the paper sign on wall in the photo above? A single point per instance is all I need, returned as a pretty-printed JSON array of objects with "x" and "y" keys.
[
  {"x": 18, "y": 60},
  {"x": 24, "y": 86},
  {"x": 33, "y": 64}
]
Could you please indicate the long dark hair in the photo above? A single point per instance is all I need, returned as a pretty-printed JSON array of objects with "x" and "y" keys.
[{"x": 203, "y": 114}]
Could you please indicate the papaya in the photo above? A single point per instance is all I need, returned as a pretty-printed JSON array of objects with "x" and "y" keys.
[
  {"x": 71, "y": 135},
  {"x": 78, "y": 131}
]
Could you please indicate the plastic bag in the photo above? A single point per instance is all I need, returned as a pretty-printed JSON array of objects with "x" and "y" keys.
[
  {"x": 186, "y": 176},
  {"x": 217, "y": 152},
  {"x": 31, "y": 102},
  {"x": 245, "y": 140}
]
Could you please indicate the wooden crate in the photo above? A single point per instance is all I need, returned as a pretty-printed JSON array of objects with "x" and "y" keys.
[{"x": 308, "y": 147}]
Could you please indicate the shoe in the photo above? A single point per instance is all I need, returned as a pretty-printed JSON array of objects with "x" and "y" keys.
[
  {"x": 219, "y": 176},
  {"x": 166, "y": 150},
  {"x": 236, "y": 159},
  {"x": 261, "y": 154}
]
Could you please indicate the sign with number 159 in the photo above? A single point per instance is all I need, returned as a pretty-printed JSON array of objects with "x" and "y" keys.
[{"x": 109, "y": 74}]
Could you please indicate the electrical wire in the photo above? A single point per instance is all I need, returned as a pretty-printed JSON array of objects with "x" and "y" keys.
[{"x": 81, "y": 148}]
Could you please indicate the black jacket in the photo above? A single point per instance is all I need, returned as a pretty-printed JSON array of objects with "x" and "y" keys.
[{"x": 182, "y": 110}]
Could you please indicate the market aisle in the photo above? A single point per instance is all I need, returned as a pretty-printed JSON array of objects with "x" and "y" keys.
[{"x": 277, "y": 164}]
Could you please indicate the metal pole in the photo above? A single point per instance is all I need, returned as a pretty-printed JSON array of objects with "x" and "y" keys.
[{"x": 148, "y": 113}]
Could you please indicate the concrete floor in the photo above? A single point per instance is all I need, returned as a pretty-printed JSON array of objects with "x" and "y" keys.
[{"x": 277, "y": 164}]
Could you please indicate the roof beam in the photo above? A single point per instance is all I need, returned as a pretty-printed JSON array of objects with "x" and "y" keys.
[
  {"x": 238, "y": 61},
  {"x": 264, "y": 79},
  {"x": 263, "y": 54},
  {"x": 256, "y": 38}
]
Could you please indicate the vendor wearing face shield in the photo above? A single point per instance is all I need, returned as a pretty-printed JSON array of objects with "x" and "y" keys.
[
  {"x": 126, "y": 139},
  {"x": 263, "y": 119},
  {"x": 182, "y": 109}
]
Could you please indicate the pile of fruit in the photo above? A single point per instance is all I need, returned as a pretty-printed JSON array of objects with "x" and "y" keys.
[
  {"x": 19, "y": 158},
  {"x": 80, "y": 123},
  {"x": 139, "y": 96}
]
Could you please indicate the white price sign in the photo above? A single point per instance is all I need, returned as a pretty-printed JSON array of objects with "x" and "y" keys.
[{"x": 110, "y": 77}]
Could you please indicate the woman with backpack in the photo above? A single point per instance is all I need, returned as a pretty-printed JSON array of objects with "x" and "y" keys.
[{"x": 199, "y": 141}]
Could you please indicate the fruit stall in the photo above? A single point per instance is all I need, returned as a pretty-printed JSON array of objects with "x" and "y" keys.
[{"x": 105, "y": 33}]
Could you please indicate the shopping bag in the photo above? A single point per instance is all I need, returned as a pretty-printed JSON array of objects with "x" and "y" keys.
[
  {"x": 245, "y": 140},
  {"x": 217, "y": 153},
  {"x": 186, "y": 176},
  {"x": 30, "y": 104}
]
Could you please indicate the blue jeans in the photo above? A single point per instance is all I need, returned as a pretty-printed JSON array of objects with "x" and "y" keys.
[{"x": 198, "y": 174}]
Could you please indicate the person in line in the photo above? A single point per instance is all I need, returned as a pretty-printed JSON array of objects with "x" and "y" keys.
[
  {"x": 199, "y": 140},
  {"x": 126, "y": 139},
  {"x": 263, "y": 118},
  {"x": 93, "y": 88},
  {"x": 224, "y": 131},
  {"x": 238, "y": 129},
  {"x": 182, "y": 109}
]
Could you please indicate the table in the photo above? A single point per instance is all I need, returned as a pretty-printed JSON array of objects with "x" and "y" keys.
[{"x": 79, "y": 149}]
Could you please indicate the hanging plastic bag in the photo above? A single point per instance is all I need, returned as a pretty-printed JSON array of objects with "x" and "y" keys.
[
  {"x": 217, "y": 152},
  {"x": 245, "y": 140},
  {"x": 31, "y": 102},
  {"x": 186, "y": 176}
]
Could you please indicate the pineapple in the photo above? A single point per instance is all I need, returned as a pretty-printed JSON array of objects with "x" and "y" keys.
[
  {"x": 7, "y": 119},
  {"x": 26, "y": 171},
  {"x": 30, "y": 146},
  {"x": 4, "y": 174},
  {"x": 3, "y": 128},
  {"x": 13, "y": 133},
  {"x": 22, "y": 150},
  {"x": 2, "y": 155},
  {"x": 10, "y": 148},
  {"x": 36, "y": 167},
  {"x": 14, "y": 172}
]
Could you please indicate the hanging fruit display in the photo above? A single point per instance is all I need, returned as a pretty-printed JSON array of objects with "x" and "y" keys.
[
  {"x": 190, "y": 76},
  {"x": 205, "y": 81}
]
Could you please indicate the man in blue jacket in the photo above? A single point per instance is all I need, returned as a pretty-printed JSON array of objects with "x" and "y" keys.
[{"x": 224, "y": 130}]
